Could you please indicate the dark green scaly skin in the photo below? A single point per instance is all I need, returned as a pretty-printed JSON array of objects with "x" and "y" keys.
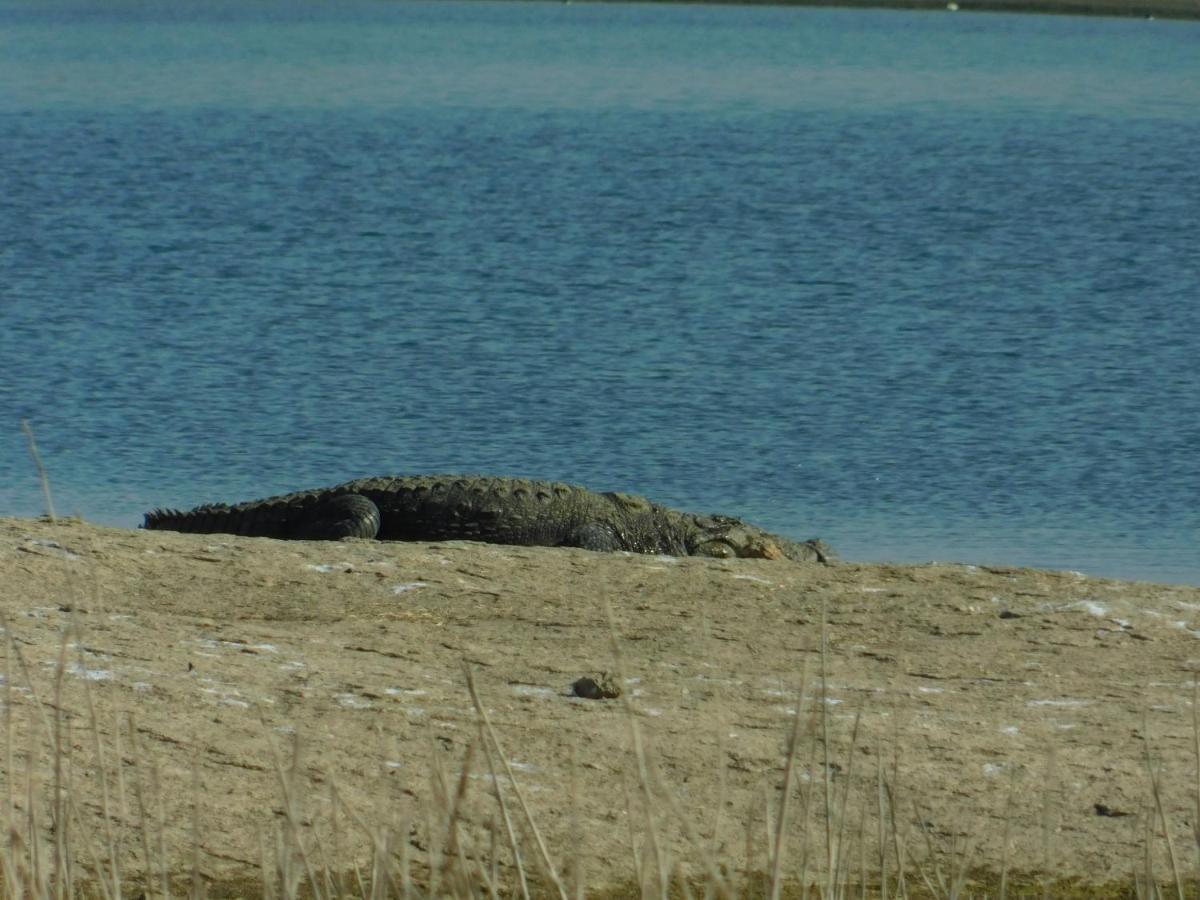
[{"x": 493, "y": 509}]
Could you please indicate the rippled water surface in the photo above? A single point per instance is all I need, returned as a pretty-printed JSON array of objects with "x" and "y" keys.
[{"x": 924, "y": 284}]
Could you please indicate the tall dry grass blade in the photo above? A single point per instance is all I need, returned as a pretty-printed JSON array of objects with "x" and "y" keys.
[
  {"x": 880, "y": 827},
  {"x": 514, "y": 846},
  {"x": 281, "y": 866},
  {"x": 124, "y": 821},
  {"x": 324, "y": 871},
  {"x": 41, "y": 469},
  {"x": 380, "y": 864},
  {"x": 454, "y": 854},
  {"x": 843, "y": 861},
  {"x": 69, "y": 839},
  {"x": 577, "y": 867},
  {"x": 964, "y": 850},
  {"x": 487, "y": 875},
  {"x": 544, "y": 854},
  {"x": 20, "y": 857},
  {"x": 46, "y": 878},
  {"x": 333, "y": 873},
  {"x": 83, "y": 839},
  {"x": 291, "y": 818},
  {"x": 789, "y": 769},
  {"x": 831, "y": 850},
  {"x": 39, "y": 873},
  {"x": 940, "y": 889},
  {"x": 630, "y": 818},
  {"x": 768, "y": 825},
  {"x": 862, "y": 849},
  {"x": 160, "y": 810},
  {"x": 1005, "y": 839},
  {"x": 808, "y": 804},
  {"x": 491, "y": 873},
  {"x": 110, "y": 838},
  {"x": 436, "y": 813},
  {"x": 657, "y": 855},
  {"x": 266, "y": 865},
  {"x": 1156, "y": 791},
  {"x": 751, "y": 844},
  {"x": 60, "y": 821},
  {"x": 949, "y": 884},
  {"x": 401, "y": 832},
  {"x": 198, "y": 887},
  {"x": 8, "y": 856},
  {"x": 372, "y": 831},
  {"x": 1048, "y": 826},
  {"x": 1196, "y": 773},
  {"x": 1144, "y": 886},
  {"x": 899, "y": 841},
  {"x": 359, "y": 885},
  {"x": 681, "y": 879},
  {"x": 14, "y": 650},
  {"x": 715, "y": 884},
  {"x": 41, "y": 876}
]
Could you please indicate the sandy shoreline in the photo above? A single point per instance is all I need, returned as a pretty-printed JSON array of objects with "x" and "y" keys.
[{"x": 977, "y": 687}]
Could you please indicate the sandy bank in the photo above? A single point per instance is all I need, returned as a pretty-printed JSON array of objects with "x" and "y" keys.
[{"x": 970, "y": 682}]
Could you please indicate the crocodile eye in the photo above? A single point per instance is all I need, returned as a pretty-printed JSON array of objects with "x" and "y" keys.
[{"x": 719, "y": 549}]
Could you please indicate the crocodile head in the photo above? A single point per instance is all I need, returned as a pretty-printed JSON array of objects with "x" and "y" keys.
[{"x": 726, "y": 537}]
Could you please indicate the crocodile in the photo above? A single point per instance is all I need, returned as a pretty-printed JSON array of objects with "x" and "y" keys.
[{"x": 496, "y": 510}]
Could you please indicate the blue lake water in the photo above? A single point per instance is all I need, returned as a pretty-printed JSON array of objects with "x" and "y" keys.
[{"x": 924, "y": 284}]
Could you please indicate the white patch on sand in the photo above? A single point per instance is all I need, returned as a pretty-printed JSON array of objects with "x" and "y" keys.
[
  {"x": 226, "y": 696},
  {"x": 74, "y": 668},
  {"x": 54, "y": 546},
  {"x": 529, "y": 690},
  {"x": 1062, "y": 702},
  {"x": 752, "y": 578}
]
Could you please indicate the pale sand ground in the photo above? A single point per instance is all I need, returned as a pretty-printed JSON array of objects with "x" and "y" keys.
[{"x": 977, "y": 684}]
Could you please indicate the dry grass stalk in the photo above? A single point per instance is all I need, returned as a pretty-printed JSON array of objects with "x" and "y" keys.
[
  {"x": 781, "y": 822},
  {"x": 41, "y": 469},
  {"x": 1196, "y": 774},
  {"x": 544, "y": 854}
]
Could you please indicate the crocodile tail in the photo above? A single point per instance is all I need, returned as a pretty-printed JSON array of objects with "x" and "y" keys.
[
  {"x": 217, "y": 519},
  {"x": 306, "y": 516},
  {"x": 196, "y": 521}
]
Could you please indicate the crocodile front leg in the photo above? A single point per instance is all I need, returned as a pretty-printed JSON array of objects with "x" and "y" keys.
[{"x": 594, "y": 536}]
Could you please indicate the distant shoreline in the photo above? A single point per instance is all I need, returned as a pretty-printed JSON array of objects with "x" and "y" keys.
[{"x": 1135, "y": 9}]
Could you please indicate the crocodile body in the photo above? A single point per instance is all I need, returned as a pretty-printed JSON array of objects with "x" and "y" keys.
[{"x": 493, "y": 509}]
